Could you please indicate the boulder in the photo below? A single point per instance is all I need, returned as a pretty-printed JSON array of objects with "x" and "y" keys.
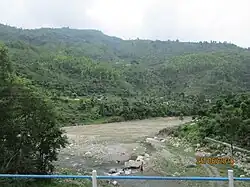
[
  {"x": 139, "y": 158},
  {"x": 198, "y": 145},
  {"x": 121, "y": 172},
  {"x": 88, "y": 153},
  {"x": 114, "y": 183},
  {"x": 162, "y": 140},
  {"x": 151, "y": 140},
  {"x": 128, "y": 172},
  {"x": 115, "y": 174},
  {"x": 146, "y": 155},
  {"x": 131, "y": 164},
  {"x": 113, "y": 170}
]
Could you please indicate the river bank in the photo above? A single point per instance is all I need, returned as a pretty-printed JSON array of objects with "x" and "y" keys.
[{"x": 107, "y": 147}]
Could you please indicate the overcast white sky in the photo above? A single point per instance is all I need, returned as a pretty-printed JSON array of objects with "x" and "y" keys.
[{"x": 187, "y": 20}]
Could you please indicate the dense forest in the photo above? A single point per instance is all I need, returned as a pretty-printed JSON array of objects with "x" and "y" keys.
[
  {"x": 57, "y": 77},
  {"x": 89, "y": 75},
  {"x": 227, "y": 119}
]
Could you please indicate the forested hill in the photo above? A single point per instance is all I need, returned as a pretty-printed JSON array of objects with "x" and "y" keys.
[
  {"x": 132, "y": 76},
  {"x": 52, "y": 77},
  {"x": 98, "y": 46}
]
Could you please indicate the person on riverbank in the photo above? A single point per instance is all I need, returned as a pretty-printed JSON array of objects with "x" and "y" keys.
[{"x": 141, "y": 167}]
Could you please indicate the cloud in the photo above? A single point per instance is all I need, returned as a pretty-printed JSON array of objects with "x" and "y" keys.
[
  {"x": 197, "y": 20},
  {"x": 46, "y": 13},
  {"x": 192, "y": 20}
]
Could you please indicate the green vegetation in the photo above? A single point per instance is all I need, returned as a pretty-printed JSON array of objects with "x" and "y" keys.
[
  {"x": 29, "y": 137},
  {"x": 58, "y": 77},
  {"x": 73, "y": 66},
  {"x": 227, "y": 119}
]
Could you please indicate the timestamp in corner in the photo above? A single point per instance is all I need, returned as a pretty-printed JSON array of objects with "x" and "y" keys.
[{"x": 215, "y": 160}]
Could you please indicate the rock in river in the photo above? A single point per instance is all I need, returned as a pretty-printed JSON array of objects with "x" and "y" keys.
[
  {"x": 111, "y": 171},
  {"x": 132, "y": 164}
]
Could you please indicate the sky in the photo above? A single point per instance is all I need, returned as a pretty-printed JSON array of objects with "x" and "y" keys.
[{"x": 186, "y": 20}]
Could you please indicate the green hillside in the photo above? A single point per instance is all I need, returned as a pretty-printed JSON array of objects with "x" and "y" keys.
[
  {"x": 51, "y": 78},
  {"x": 74, "y": 66},
  {"x": 211, "y": 73},
  {"x": 98, "y": 46}
]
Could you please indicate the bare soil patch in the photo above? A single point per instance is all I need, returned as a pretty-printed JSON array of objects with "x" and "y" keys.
[
  {"x": 100, "y": 146},
  {"x": 94, "y": 145}
]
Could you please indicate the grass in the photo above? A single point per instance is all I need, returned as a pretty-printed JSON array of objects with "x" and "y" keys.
[{"x": 189, "y": 131}]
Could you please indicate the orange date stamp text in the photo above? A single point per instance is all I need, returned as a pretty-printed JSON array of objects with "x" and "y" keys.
[{"x": 214, "y": 160}]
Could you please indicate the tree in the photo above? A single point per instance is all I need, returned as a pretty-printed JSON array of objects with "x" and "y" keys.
[
  {"x": 29, "y": 136},
  {"x": 230, "y": 119},
  {"x": 227, "y": 119},
  {"x": 5, "y": 66}
]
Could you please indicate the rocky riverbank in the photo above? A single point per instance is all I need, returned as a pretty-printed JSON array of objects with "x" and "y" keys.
[
  {"x": 120, "y": 148},
  {"x": 241, "y": 159}
]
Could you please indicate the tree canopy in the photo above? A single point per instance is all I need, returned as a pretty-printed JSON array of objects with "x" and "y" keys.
[
  {"x": 29, "y": 136},
  {"x": 71, "y": 66}
]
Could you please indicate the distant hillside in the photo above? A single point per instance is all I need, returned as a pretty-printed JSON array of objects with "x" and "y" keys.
[
  {"x": 86, "y": 62},
  {"x": 98, "y": 46},
  {"x": 210, "y": 73},
  {"x": 90, "y": 76}
]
